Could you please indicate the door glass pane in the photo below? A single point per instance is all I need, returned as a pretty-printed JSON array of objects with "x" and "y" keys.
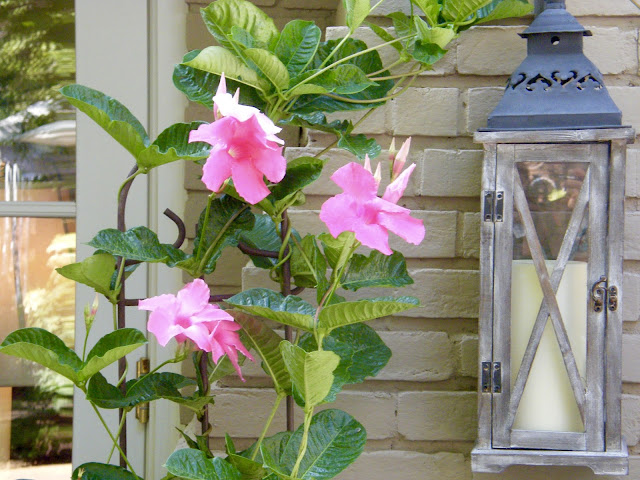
[{"x": 552, "y": 191}]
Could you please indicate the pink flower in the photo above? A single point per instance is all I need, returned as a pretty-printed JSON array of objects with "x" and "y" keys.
[
  {"x": 190, "y": 316},
  {"x": 360, "y": 210},
  {"x": 245, "y": 148}
]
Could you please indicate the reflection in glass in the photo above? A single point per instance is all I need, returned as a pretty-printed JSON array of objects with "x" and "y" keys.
[{"x": 552, "y": 191}]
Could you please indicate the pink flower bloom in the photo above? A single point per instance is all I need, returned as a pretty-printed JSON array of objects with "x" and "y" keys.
[
  {"x": 190, "y": 316},
  {"x": 359, "y": 209},
  {"x": 245, "y": 148}
]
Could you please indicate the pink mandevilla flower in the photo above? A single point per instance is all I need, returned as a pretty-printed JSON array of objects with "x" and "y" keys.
[
  {"x": 245, "y": 147},
  {"x": 359, "y": 209},
  {"x": 190, "y": 316}
]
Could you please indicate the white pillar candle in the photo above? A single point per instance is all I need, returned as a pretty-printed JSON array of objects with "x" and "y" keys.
[{"x": 548, "y": 403}]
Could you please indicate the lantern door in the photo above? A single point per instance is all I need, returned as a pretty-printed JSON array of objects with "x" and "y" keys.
[{"x": 550, "y": 263}]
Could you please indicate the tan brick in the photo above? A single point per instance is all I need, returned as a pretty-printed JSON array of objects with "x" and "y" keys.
[
  {"x": 426, "y": 111},
  {"x": 628, "y": 100},
  {"x": 437, "y": 415},
  {"x": 442, "y": 293},
  {"x": 632, "y": 236},
  {"x": 309, "y": 4},
  {"x": 418, "y": 356},
  {"x": 407, "y": 465},
  {"x": 600, "y": 8},
  {"x": 631, "y": 358},
  {"x": 604, "y": 41},
  {"x": 375, "y": 410},
  {"x": 631, "y": 419},
  {"x": 390, "y": 6},
  {"x": 480, "y": 103},
  {"x": 633, "y": 173},
  {"x": 631, "y": 301},
  {"x": 450, "y": 173},
  {"x": 471, "y": 235},
  {"x": 467, "y": 355},
  {"x": 491, "y": 50}
]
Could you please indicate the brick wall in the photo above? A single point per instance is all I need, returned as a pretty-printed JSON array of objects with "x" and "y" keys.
[{"x": 420, "y": 412}]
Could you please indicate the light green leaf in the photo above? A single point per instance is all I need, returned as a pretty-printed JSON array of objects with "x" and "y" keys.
[
  {"x": 360, "y": 145},
  {"x": 110, "y": 114},
  {"x": 344, "y": 79},
  {"x": 311, "y": 372},
  {"x": 110, "y": 348},
  {"x": 102, "y": 471},
  {"x": 376, "y": 270},
  {"x": 306, "y": 89},
  {"x": 357, "y": 11},
  {"x": 221, "y": 16},
  {"x": 309, "y": 267},
  {"x": 290, "y": 310},
  {"x": 440, "y": 36},
  {"x": 266, "y": 343},
  {"x": 335, "y": 441},
  {"x": 297, "y": 45},
  {"x": 218, "y": 60},
  {"x": 43, "y": 347},
  {"x": 459, "y": 10},
  {"x": 431, "y": 9},
  {"x": 385, "y": 36},
  {"x": 346, "y": 313},
  {"x": 173, "y": 145},
  {"x": 244, "y": 38},
  {"x": 191, "y": 464},
  {"x": 427, "y": 53},
  {"x": 270, "y": 66},
  {"x": 95, "y": 271},
  {"x": 499, "y": 9}
]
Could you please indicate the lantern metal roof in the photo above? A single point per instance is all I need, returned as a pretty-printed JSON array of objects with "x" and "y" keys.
[{"x": 556, "y": 86}]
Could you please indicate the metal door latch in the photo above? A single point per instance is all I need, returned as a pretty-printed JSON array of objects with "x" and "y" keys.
[
  {"x": 493, "y": 206},
  {"x": 491, "y": 377},
  {"x": 602, "y": 293}
]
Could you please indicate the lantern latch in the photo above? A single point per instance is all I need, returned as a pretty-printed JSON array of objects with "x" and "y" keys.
[
  {"x": 613, "y": 298},
  {"x": 602, "y": 293},
  {"x": 493, "y": 208},
  {"x": 491, "y": 377}
]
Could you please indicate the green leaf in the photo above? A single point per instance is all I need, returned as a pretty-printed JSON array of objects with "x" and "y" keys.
[
  {"x": 138, "y": 243},
  {"x": 344, "y": 79},
  {"x": 270, "y": 66},
  {"x": 263, "y": 236},
  {"x": 102, "y": 471},
  {"x": 266, "y": 343},
  {"x": 459, "y": 10},
  {"x": 200, "y": 86},
  {"x": 385, "y": 36},
  {"x": 376, "y": 270},
  {"x": 333, "y": 246},
  {"x": 309, "y": 267},
  {"x": 306, "y": 89},
  {"x": 301, "y": 172},
  {"x": 360, "y": 145},
  {"x": 499, "y": 9},
  {"x": 241, "y": 36},
  {"x": 249, "y": 469},
  {"x": 318, "y": 121},
  {"x": 110, "y": 114},
  {"x": 191, "y": 464},
  {"x": 290, "y": 310},
  {"x": 362, "y": 354},
  {"x": 431, "y": 9},
  {"x": 297, "y": 45},
  {"x": 427, "y": 53},
  {"x": 95, "y": 271},
  {"x": 228, "y": 217},
  {"x": 357, "y": 11},
  {"x": 173, "y": 145},
  {"x": 438, "y": 35},
  {"x": 110, "y": 348},
  {"x": 335, "y": 441},
  {"x": 218, "y": 60},
  {"x": 311, "y": 372},
  {"x": 43, "y": 347},
  {"x": 221, "y": 16},
  {"x": 341, "y": 314}
]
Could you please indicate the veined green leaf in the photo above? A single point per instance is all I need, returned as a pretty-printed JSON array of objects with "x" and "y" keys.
[
  {"x": 385, "y": 36},
  {"x": 102, "y": 471},
  {"x": 290, "y": 310},
  {"x": 95, "y": 271},
  {"x": 270, "y": 66},
  {"x": 110, "y": 348},
  {"x": 311, "y": 372},
  {"x": 173, "y": 145},
  {"x": 301, "y": 172},
  {"x": 499, "y": 9},
  {"x": 241, "y": 36},
  {"x": 459, "y": 10},
  {"x": 357, "y": 11},
  {"x": 344, "y": 79},
  {"x": 191, "y": 464},
  {"x": 218, "y": 60},
  {"x": 427, "y": 53},
  {"x": 297, "y": 45},
  {"x": 376, "y": 270},
  {"x": 438, "y": 35},
  {"x": 309, "y": 267},
  {"x": 346, "y": 313},
  {"x": 43, "y": 347},
  {"x": 360, "y": 145},
  {"x": 110, "y": 114},
  {"x": 222, "y": 15},
  {"x": 431, "y": 9},
  {"x": 263, "y": 236}
]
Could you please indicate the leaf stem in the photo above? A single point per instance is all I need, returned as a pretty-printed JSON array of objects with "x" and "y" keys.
[
  {"x": 113, "y": 439},
  {"x": 113, "y": 447},
  {"x": 308, "y": 415},
  {"x": 205, "y": 258},
  {"x": 355, "y": 125},
  {"x": 268, "y": 424}
]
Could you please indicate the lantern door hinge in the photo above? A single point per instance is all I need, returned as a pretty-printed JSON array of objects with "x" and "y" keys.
[
  {"x": 602, "y": 293},
  {"x": 491, "y": 377},
  {"x": 143, "y": 366},
  {"x": 493, "y": 206}
]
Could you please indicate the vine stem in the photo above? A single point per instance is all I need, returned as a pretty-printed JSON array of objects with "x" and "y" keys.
[
  {"x": 214, "y": 244},
  {"x": 355, "y": 125},
  {"x": 308, "y": 415},
  {"x": 113, "y": 445},
  {"x": 113, "y": 439},
  {"x": 267, "y": 425}
]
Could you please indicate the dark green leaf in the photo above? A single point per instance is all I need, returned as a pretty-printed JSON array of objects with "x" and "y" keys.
[
  {"x": 376, "y": 270},
  {"x": 110, "y": 348},
  {"x": 336, "y": 440},
  {"x": 244, "y": 38},
  {"x": 191, "y": 464},
  {"x": 102, "y": 471},
  {"x": 95, "y": 271},
  {"x": 290, "y": 310},
  {"x": 111, "y": 115},
  {"x": 173, "y": 145},
  {"x": 309, "y": 267},
  {"x": 43, "y": 347},
  {"x": 297, "y": 45},
  {"x": 343, "y": 79},
  {"x": 362, "y": 354},
  {"x": 360, "y": 145},
  {"x": 301, "y": 172},
  {"x": 318, "y": 121},
  {"x": 263, "y": 236},
  {"x": 427, "y": 53}
]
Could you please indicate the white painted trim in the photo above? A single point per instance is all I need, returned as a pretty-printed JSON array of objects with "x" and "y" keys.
[{"x": 38, "y": 209}]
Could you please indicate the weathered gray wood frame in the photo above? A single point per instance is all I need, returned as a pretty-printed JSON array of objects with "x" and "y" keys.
[{"x": 602, "y": 447}]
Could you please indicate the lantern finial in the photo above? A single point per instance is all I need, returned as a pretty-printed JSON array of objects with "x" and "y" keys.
[{"x": 555, "y": 4}]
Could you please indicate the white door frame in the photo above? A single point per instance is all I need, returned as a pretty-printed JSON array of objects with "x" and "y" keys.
[{"x": 127, "y": 50}]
